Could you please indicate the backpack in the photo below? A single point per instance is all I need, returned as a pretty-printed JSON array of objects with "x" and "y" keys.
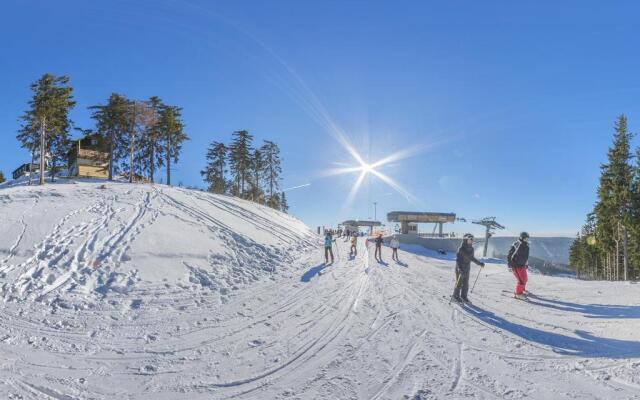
[{"x": 512, "y": 251}]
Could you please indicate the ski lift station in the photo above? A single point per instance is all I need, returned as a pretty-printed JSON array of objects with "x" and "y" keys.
[
  {"x": 355, "y": 225},
  {"x": 409, "y": 233},
  {"x": 409, "y": 221}
]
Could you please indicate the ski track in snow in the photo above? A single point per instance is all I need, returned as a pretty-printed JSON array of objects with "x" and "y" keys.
[{"x": 262, "y": 318}]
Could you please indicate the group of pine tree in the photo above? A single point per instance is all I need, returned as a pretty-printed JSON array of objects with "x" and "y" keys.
[
  {"x": 240, "y": 170},
  {"x": 140, "y": 136},
  {"x": 608, "y": 246},
  {"x": 143, "y": 136}
]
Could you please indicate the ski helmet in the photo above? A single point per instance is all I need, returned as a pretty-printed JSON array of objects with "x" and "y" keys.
[
  {"x": 468, "y": 236},
  {"x": 524, "y": 235}
]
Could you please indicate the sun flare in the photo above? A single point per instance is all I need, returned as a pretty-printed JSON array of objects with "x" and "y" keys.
[{"x": 365, "y": 169}]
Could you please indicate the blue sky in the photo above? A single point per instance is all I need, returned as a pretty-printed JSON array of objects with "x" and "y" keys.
[{"x": 514, "y": 102}]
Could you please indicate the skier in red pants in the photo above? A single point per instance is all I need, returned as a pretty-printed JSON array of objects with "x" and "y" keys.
[{"x": 517, "y": 259}]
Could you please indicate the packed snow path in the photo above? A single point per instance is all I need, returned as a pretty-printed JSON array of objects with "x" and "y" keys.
[{"x": 157, "y": 293}]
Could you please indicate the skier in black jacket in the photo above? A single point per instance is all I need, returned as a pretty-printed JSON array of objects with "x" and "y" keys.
[
  {"x": 463, "y": 267},
  {"x": 518, "y": 259},
  {"x": 378, "y": 241}
]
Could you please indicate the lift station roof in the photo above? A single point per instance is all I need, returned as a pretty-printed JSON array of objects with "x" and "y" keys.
[
  {"x": 352, "y": 222},
  {"x": 420, "y": 217}
]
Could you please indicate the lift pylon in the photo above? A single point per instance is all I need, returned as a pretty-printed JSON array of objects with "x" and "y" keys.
[{"x": 490, "y": 225}]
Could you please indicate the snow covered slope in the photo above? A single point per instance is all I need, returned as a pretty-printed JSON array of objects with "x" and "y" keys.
[
  {"x": 77, "y": 241},
  {"x": 157, "y": 293}
]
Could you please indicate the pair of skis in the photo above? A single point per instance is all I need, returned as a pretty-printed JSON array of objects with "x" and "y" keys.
[
  {"x": 505, "y": 293},
  {"x": 525, "y": 298},
  {"x": 459, "y": 302}
]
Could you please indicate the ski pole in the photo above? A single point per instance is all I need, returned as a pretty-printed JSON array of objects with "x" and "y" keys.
[
  {"x": 457, "y": 283},
  {"x": 474, "y": 282}
]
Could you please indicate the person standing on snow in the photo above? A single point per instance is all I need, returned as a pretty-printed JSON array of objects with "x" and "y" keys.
[
  {"x": 328, "y": 244},
  {"x": 354, "y": 246},
  {"x": 378, "y": 241},
  {"x": 395, "y": 243},
  {"x": 518, "y": 259},
  {"x": 464, "y": 256}
]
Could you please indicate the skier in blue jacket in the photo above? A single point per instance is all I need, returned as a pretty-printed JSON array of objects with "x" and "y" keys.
[{"x": 328, "y": 244}]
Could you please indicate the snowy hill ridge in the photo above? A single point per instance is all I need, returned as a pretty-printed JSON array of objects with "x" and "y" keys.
[{"x": 77, "y": 240}]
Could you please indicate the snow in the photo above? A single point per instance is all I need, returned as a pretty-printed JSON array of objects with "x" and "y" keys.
[{"x": 151, "y": 292}]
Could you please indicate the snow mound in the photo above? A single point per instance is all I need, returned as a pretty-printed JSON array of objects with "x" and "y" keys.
[{"x": 77, "y": 241}]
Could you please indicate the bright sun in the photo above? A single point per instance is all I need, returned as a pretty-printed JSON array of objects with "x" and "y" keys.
[{"x": 367, "y": 168}]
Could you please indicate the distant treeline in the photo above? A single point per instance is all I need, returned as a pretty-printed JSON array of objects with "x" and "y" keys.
[
  {"x": 140, "y": 136},
  {"x": 608, "y": 246},
  {"x": 240, "y": 170}
]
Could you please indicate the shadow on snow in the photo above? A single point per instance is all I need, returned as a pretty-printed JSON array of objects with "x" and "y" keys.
[
  {"x": 312, "y": 272},
  {"x": 589, "y": 310},
  {"x": 584, "y": 345}
]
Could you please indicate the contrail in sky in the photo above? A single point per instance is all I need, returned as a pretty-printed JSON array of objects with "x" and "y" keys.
[{"x": 297, "y": 187}]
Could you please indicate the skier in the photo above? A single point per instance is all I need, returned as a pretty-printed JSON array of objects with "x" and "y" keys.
[
  {"x": 354, "y": 244},
  {"x": 378, "y": 241},
  {"x": 395, "y": 243},
  {"x": 463, "y": 268},
  {"x": 328, "y": 244},
  {"x": 517, "y": 259}
]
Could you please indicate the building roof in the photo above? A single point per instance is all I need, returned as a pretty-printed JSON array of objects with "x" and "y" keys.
[
  {"x": 352, "y": 222},
  {"x": 417, "y": 216}
]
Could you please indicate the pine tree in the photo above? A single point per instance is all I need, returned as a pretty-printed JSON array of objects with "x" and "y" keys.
[
  {"x": 112, "y": 123},
  {"x": 273, "y": 169},
  {"x": 240, "y": 161},
  {"x": 172, "y": 135},
  {"x": 585, "y": 250},
  {"x": 284, "y": 204},
  {"x": 257, "y": 173},
  {"x": 215, "y": 171},
  {"x": 59, "y": 147},
  {"x": 29, "y": 138},
  {"x": 634, "y": 240},
  {"x": 2, "y": 180},
  {"x": 46, "y": 124},
  {"x": 613, "y": 209},
  {"x": 140, "y": 116},
  {"x": 575, "y": 254},
  {"x": 150, "y": 147}
]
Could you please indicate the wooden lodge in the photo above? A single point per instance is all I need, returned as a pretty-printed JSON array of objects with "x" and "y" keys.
[{"x": 89, "y": 158}]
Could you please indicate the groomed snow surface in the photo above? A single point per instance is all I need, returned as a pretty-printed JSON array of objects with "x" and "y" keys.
[{"x": 149, "y": 292}]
